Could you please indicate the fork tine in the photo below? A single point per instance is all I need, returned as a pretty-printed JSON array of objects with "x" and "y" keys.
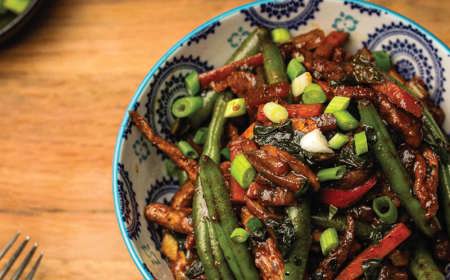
[
  {"x": 9, "y": 245},
  {"x": 33, "y": 270},
  {"x": 24, "y": 263},
  {"x": 13, "y": 259}
]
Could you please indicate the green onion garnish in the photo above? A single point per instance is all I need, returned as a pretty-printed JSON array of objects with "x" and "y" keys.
[
  {"x": 382, "y": 60},
  {"x": 345, "y": 120},
  {"x": 332, "y": 211},
  {"x": 192, "y": 83},
  {"x": 254, "y": 224},
  {"x": 235, "y": 108},
  {"x": 200, "y": 136},
  {"x": 313, "y": 94},
  {"x": 186, "y": 106},
  {"x": 334, "y": 173},
  {"x": 385, "y": 209},
  {"x": 242, "y": 171},
  {"x": 281, "y": 35},
  {"x": 187, "y": 149},
  {"x": 338, "y": 103},
  {"x": 338, "y": 140},
  {"x": 239, "y": 235},
  {"x": 225, "y": 152},
  {"x": 329, "y": 240},
  {"x": 275, "y": 112},
  {"x": 300, "y": 83},
  {"x": 295, "y": 69},
  {"x": 361, "y": 146}
]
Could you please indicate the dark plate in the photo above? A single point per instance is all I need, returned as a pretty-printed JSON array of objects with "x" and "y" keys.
[{"x": 20, "y": 21}]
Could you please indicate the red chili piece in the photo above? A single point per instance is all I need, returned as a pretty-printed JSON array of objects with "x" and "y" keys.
[{"x": 344, "y": 198}]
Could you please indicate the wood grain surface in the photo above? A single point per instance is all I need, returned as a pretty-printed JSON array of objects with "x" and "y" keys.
[{"x": 64, "y": 87}]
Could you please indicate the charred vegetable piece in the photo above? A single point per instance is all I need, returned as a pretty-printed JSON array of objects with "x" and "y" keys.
[
  {"x": 382, "y": 60},
  {"x": 392, "y": 240},
  {"x": 235, "y": 108},
  {"x": 395, "y": 172}
]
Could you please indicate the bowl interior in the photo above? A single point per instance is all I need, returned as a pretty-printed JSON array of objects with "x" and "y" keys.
[{"x": 138, "y": 172}]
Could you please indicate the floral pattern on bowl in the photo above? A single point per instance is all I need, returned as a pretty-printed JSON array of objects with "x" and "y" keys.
[{"x": 138, "y": 170}]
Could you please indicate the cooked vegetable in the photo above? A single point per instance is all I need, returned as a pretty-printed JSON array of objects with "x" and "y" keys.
[
  {"x": 344, "y": 198},
  {"x": 315, "y": 142},
  {"x": 422, "y": 266},
  {"x": 200, "y": 136},
  {"x": 300, "y": 83},
  {"x": 16, "y": 6},
  {"x": 251, "y": 45},
  {"x": 239, "y": 235},
  {"x": 281, "y": 35},
  {"x": 338, "y": 140},
  {"x": 385, "y": 152},
  {"x": 186, "y": 106},
  {"x": 187, "y": 149},
  {"x": 338, "y": 103},
  {"x": 345, "y": 120},
  {"x": 275, "y": 112},
  {"x": 273, "y": 63},
  {"x": 313, "y": 94},
  {"x": 242, "y": 171},
  {"x": 334, "y": 173},
  {"x": 361, "y": 145},
  {"x": 295, "y": 68},
  {"x": 235, "y": 108},
  {"x": 192, "y": 83},
  {"x": 382, "y": 60},
  {"x": 225, "y": 152},
  {"x": 201, "y": 115},
  {"x": 254, "y": 224},
  {"x": 390, "y": 241},
  {"x": 385, "y": 209},
  {"x": 329, "y": 240}
]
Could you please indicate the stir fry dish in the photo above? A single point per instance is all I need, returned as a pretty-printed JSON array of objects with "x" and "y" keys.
[
  {"x": 298, "y": 160},
  {"x": 10, "y": 9}
]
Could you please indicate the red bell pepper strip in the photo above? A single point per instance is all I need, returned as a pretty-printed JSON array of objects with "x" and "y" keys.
[
  {"x": 221, "y": 73},
  {"x": 295, "y": 111},
  {"x": 399, "y": 233},
  {"x": 344, "y": 198},
  {"x": 399, "y": 97},
  {"x": 237, "y": 193}
]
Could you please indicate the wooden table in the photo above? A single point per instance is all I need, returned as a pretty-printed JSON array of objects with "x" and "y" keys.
[{"x": 63, "y": 91}]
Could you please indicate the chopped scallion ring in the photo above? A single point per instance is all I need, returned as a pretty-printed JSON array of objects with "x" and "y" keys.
[
  {"x": 242, "y": 171},
  {"x": 186, "y": 106},
  {"x": 345, "y": 120},
  {"x": 239, "y": 235},
  {"x": 281, "y": 35},
  {"x": 361, "y": 146},
  {"x": 192, "y": 83},
  {"x": 275, "y": 112},
  {"x": 187, "y": 149},
  {"x": 235, "y": 108},
  {"x": 329, "y": 240},
  {"x": 334, "y": 173},
  {"x": 338, "y": 140},
  {"x": 338, "y": 103}
]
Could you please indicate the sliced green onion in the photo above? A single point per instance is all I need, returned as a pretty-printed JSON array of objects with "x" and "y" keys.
[
  {"x": 329, "y": 240},
  {"x": 239, "y": 235},
  {"x": 200, "y": 136},
  {"x": 385, "y": 209},
  {"x": 338, "y": 140},
  {"x": 361, "y": 146},
  {"x": 187, "y": 149},
  {"x": 275, "y": 112},
  {"x": 171, "y": 168},
  {"x": 295, "y": 69},
  {"x": 254, "y": 224},
  {"x": 182, "y": 176},
  {"x": 300, "y": 57},
  {"x": 225, "y": 152},
  {"x": 332, "y": 211},
  {"x": 382, "y": 60},
  {"x": 345, "y": 120},
  {"x": 15, "y": 6},
  {"x": 281, "y": 35},
  {"x": 313, "y": 94},
  {"x": 242, "y": 171},
  {"x": 192, "y": 83},
  {"x": 329, "y": 174},
  {"x": 186, "y": 106},
  {"x": 338, "y": 103},
  {"x": 300, "y": 83},
  {"x": 235, "y": 108}
]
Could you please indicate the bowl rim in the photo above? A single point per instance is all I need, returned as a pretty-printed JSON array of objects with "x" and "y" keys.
[{"x": 140, "y": 90}]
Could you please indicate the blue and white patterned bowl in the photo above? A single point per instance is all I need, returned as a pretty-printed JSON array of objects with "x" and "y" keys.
[{"x": 138, "y": 176}]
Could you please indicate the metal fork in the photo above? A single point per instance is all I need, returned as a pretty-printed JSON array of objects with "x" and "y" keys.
[{"x": 6, "y": 268}]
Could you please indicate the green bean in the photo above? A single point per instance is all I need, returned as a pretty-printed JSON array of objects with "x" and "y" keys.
[
  {"x": 273, "y": 63},
  {"x": 250, "y": 46},
  {"x": 201, "y": 233},
  {"x": 226, "y": 244},
  {"x": 362, "y": 230},
  {"x": 215, "y": 129},
  {"x": 201, "y": 115},
  {"x": 211, "y": 175},
  {"x": 297, "y": 259},
  {"x": 422, "y": 265},
  {"x": 396, "y": 174},
  {"x": 219, "y": 259}
]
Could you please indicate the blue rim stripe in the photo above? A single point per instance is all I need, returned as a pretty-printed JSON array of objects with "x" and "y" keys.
[{"x": 137, "y": 95}]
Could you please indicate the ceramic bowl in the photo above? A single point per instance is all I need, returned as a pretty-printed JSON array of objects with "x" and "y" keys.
[{"x": 138, "y": 173}]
